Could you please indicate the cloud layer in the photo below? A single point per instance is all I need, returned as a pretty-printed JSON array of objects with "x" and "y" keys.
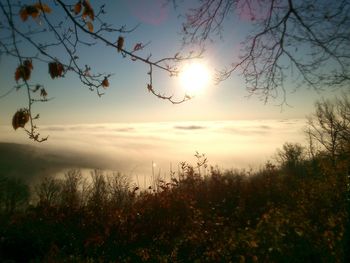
[{"x": 132, "y": 147}]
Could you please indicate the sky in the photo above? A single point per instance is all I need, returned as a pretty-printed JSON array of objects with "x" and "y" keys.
[{"x": 128, "y": 104}]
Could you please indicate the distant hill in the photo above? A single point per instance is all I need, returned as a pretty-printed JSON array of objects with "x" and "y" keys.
[{"x": 27, "y": 161}]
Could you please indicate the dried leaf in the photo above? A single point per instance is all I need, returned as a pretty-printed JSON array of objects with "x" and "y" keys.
[
  {"x": 91, "y": 14},
  {"x": 24, "y": 71},
  {"x": 43, "y": 93},
  {"x": 86, "y": 4},
  {"x": 28, "y": 63},
  {"x": 56, "y": 69},
  {"x": 105, "y": 83},
  {"x": 88, "y": 10},
  {"x": 20, "y": 118},
  {"x": 43, "y": 7},
  {"x": 23, "y": 14},
  {"x": 35, "y": 15},
  {"x": 90, "y": 26},
  {"x": 18, "y": 73},
  {"x": 33, "y": 11},
  {"x": 138, "y": 46},
  {"x": 77, "y": 8},
  {"x": 120, "y": 43}
]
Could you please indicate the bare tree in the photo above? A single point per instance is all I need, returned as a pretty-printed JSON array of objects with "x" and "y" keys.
[
  {"x": 67, "y": 26},
  {"x": 291, "y": 155},
  {"x": 14, "y": 194},
  {"x": 329, "y": 127},
  {"x": 119, "y": 190},
  {"x": 48, "y": 191},
  {"x": 71, "y": 194},
  {"x": 302, "y": 42}
]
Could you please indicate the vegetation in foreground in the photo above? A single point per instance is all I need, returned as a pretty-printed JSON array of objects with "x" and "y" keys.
[{"x": 296, "y": 210}]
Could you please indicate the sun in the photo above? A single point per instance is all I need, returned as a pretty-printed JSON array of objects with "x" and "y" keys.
[{"x": 194, "y": 78}]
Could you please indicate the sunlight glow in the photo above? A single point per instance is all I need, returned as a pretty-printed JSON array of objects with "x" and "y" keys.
[{"x": 194, "y": 78}]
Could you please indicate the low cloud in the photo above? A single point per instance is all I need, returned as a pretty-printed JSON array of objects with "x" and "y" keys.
[
  {"x": 189, "y": 127},
  {"x": 131, "y": 148}
]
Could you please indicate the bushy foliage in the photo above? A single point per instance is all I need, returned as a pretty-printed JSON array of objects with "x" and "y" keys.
[{"x": 222, "y": 217}]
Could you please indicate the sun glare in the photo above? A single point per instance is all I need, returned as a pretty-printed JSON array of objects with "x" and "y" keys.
[{"x": 194, "y": 78}]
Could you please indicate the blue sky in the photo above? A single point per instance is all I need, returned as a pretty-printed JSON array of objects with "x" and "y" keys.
[{"x": 127, "y": 99}]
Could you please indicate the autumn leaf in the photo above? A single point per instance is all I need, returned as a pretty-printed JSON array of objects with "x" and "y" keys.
[
  {"x": 90, "y": 26},
  {"x": 23, "y": 14},
  {"x": 43, "y": 7},
  {"x": 20, "y": 118},
  {"x": 29, "y": 10},
  {"x": 88, "y": 10},
  {"x": 56, "y": 69},
  {"x": 105, "y": 83},
  {"x": 86, "y": 4},
  {"x": 24, "y": 71},
  {"x": 28, "y": 63},
  {"x": 43, "y": 93},
  {"x": 18, "y": 73},
  {"x": 138, "y": 46},
  {"x": 91, "y": 14},
  {"x": 120, "y": 43},
  {"x": 77, "y": 8},
  {"x": 32, "y": 11}
]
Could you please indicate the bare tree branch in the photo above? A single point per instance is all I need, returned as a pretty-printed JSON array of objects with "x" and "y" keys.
[
  {"x": 73, "y": 25},
  {"x": 311, "y": 37}
]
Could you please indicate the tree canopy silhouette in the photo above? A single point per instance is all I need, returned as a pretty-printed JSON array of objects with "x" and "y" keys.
[
  {"x": 33, "y": 31},
  {"x": 292, "y": 41}
]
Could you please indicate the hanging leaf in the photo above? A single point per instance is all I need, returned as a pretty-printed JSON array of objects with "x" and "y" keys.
[
  {"x": 120, "y": 43},
  {"x": 138, "y": 46},
  {"x": 20, "y": 118},
  {"x": 88, "y": 11},
  {"x": 43, "y": 7},
  {"x": 105, "y": 83},
  {"x": 24, "y": 71},
  {"x": 28, "y": 63},
  {"x": 43, "y": 93},
  {"x": 18, "y": 73},
  {"x": 77, "y": 8},
  {"x": 56, "y": 69},
  {"x": 33, "y": 11},
  {"x": 23, "y": 14},
  {"x": 90, "y": 26}
]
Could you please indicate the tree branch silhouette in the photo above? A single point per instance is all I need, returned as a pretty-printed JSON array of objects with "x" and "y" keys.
[
  {"x": 73, "y": 26},
  {"x": 293, "y": 43}
]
